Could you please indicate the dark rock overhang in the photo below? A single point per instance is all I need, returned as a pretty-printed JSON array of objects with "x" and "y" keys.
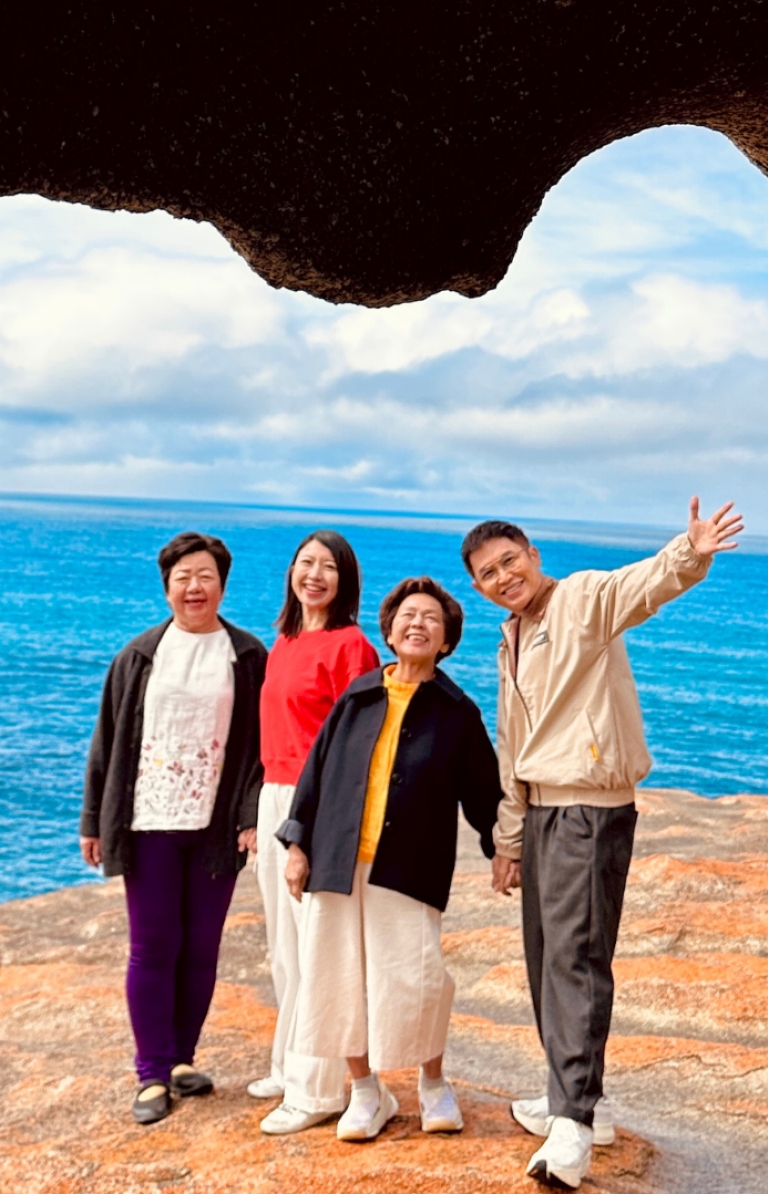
[{"x": 363, "y": 152}]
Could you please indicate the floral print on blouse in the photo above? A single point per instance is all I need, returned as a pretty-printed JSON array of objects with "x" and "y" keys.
[{"x": 187, "y": 710}]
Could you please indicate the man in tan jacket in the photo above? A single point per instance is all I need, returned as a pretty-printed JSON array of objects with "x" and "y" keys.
[{"x": 571, "y": 749}]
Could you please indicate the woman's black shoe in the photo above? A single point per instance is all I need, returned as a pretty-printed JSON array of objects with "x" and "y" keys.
[
  {"x": 149, "y": 1111},
  {"x": 185, "y": 1082}
]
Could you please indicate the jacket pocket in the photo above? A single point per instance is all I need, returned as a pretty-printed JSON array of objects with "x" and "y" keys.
[{"x": 598, "y": 751}]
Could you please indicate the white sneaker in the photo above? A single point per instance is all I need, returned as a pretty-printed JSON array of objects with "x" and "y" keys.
[
  {"x": 440, "y": 1111},
  {"x": 533, "y": 1115},
  {"x": 360, "y": 1123},
  {"x": 565, "y": 1155},
  {"x": 286, "y": 1119},
  {"x": 265, "y": 1088}
]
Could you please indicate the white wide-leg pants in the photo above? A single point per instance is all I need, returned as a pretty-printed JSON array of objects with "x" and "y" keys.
[
  {"x": 373, "y": 978},
  {"x": 314, "y": 1083}
]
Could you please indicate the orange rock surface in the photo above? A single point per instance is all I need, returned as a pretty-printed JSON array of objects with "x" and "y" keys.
[{"x": 687, "y": 1063}]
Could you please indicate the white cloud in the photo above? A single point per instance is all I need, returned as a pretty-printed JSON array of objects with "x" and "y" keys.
[
  {"x": 400, "y": 337},
  {"x": 345, "y": 474},
  {"x": 675, "y": 321},
  {"x": 130, "y": 476},
  {"x": 132, "y": 306},
  {"x": 36, "y": 229}
]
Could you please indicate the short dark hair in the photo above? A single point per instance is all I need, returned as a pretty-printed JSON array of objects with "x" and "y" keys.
[
  {"x": 186, "y": 544},
  {"x": 484, "y": 531},
  {"x": 344, "y": 608},
  {"x": 453, "y": 614}
]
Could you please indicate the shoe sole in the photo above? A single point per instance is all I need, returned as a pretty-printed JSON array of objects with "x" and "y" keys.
[
  {"x": 557, "y": 1181},
  {"x": 388, "y": 1109},
  {"x": 602, "y": 1134},
  {"x": 290, "y": 1131},
  {"x": 257, "y": 1094},
  {"x": 205, "y": 1088},
  {"x": 442, "y": 1125}
]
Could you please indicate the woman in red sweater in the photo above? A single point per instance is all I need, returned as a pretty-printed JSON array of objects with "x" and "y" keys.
[{"x": 319, "y": 650}]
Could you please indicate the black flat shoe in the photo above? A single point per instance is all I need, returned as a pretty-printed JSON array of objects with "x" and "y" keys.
[
  {"x": 150, "y": 1111},
  {"x": 191, "y": 1082}
]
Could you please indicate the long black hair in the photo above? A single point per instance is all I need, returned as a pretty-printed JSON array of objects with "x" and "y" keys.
[{"x": 344, "y": 608}]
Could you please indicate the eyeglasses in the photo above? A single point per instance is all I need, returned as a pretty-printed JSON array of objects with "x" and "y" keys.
[{"x": 509, "y": 562}]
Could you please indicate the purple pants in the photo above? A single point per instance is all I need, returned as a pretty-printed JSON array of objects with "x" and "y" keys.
[{"x": 176, "y": 912}]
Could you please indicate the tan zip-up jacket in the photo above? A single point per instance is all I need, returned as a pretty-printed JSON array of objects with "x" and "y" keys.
[{"x": 570, "y": 729}]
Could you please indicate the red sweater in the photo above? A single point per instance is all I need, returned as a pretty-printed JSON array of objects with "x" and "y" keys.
[{"x": 304, "y": 678}]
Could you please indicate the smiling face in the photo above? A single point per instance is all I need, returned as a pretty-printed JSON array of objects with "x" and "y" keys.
[
  {"x": 195, "y": 592},
  {"x": 315, "y": 579},
  {"x": 417, "y": 635},
  {"x": 507, "y": 573}
]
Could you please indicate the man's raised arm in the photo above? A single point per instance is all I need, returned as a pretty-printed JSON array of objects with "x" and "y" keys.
[{"x": 631, "y": 595}]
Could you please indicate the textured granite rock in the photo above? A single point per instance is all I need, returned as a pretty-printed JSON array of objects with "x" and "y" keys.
[
  {"x": 687, "y": 1065},
  {"x": 365, "y": 152}
]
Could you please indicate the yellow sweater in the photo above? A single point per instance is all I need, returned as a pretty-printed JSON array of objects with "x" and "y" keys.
[{"x": 382, "y": 762}]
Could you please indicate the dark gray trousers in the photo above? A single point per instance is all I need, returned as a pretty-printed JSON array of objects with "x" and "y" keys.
[{"x": 574, "y": 871}]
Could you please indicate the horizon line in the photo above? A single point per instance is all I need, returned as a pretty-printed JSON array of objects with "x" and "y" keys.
[{"x": 347, "y": 511}]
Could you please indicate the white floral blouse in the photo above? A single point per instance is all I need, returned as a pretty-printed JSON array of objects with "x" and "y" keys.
[{"x": 187, "y": 710}]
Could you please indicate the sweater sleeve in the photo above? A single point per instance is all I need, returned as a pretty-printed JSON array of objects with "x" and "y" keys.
[
  {"x": 98, "y": 758},
  {"x": 480, "y": 791},
  {"x": 297, "y": 829},
  {"x": 607, "y": 603},
  {"x": 355, "y": 657}
]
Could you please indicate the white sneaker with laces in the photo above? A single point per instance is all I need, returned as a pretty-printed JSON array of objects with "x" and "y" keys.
[
  {"x": 533, "y": 1115},
  {"x": 265, "y": 1088},
  {"x": 286, "y": 1119},
  {"x": 440, "y": 1111},
  {"x": 362, "y": 1122},
  {"x": 565, "y": 1155}
]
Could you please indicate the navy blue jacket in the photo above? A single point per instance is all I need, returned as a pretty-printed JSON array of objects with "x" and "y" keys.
[
  {"x": 444, "y": 759},
  {"x": 113, "y": 761}
]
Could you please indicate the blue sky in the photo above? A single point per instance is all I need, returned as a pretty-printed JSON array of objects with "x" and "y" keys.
[{"x": 620, "y": 366}]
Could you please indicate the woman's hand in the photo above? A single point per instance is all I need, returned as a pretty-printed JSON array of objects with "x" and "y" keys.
[
  {"x": 90, "y": 848},
  {"x": 296, "y": 871},
  {"x": 246, "y": 840}
]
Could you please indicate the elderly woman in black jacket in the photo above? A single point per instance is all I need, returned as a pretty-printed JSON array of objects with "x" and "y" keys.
[
  {"x": 171, "y": 798},
  {"x": 372, "y": 837}
]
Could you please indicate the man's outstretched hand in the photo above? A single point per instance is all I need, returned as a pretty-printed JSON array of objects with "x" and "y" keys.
[{"x": 709, "y": 535}]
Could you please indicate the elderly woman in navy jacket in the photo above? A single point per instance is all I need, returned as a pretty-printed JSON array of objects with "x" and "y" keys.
[{"x": 372, "y": 837}]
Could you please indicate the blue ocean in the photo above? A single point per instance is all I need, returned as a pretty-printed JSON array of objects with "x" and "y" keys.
[{"x": 80, "y": 580}]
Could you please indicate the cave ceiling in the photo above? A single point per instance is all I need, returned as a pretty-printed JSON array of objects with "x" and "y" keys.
[{"x": 363, "y": 152}]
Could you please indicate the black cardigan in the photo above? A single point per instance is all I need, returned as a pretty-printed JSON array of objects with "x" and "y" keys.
[
  {"x": 113, "y": 761},
  {"x": 444, "y": 759}
]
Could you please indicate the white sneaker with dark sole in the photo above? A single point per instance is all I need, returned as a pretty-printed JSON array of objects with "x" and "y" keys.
[
  {"x": 565, "y": 1156},
  {"x": 358, "y": 1123},
  {"x": 440, "y": 1111},
  {"x": 265, "y": 1088},
  {"x": 533, "y": 1115},
  {"x": 285, "y": 1120}
]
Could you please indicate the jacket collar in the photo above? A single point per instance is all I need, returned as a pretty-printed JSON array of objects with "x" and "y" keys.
[
  {"x": 146, "y": 644},
  {"x": 441, "y": 682}
]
